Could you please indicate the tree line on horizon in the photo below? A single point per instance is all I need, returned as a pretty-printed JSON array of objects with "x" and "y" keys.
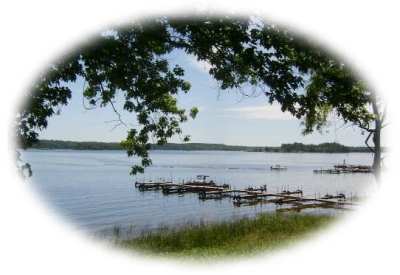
[{"x": 327, "y": 147}]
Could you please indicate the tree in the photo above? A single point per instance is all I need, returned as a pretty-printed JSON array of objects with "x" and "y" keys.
[
  {"x": 303, "y": 78},
  {"x": 133, "y": 61},
  {"x": 330, "y": 86}
]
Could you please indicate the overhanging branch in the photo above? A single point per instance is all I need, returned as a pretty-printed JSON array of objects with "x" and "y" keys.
[{"x": 366, "y": 142}]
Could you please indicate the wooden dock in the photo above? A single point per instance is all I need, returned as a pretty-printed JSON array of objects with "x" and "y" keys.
[
  {"x": 209, "y": 190},
  {"x": 345, "y": 168}
]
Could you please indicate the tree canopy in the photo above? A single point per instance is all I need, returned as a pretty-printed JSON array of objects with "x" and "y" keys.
[{"x": 132, "y": 61}]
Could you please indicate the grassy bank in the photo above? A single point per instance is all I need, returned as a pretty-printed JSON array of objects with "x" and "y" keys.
[{"x": 241, "y": 237}]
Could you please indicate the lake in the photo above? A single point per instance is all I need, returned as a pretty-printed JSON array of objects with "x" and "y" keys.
[{"x": 93, "y": 189}]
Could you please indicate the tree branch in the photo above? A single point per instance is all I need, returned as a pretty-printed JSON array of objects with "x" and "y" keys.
[
  {"x": 121, "y": 122},
  {"x": 365, "y": 128},
  {"x": 366, "y": 142}
]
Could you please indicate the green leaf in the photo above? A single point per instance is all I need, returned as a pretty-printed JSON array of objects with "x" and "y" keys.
[{"x": 193, "y": 112}]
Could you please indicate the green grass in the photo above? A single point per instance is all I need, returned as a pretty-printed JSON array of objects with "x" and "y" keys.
[{"x": 241, "y": 237}]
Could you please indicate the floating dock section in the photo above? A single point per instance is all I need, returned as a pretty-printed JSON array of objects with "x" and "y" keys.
[
  {"x": 208, "y": 190},
  {"x": 344, "y": 168}
]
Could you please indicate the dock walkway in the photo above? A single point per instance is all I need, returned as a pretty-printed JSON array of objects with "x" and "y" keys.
[{"x": 248, "y": 196}]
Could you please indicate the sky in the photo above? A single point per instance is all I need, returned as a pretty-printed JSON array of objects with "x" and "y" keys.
[{"x": 225, "y": 116}]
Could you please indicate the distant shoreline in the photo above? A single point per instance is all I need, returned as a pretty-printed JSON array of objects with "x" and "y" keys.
[{"x": 284, "y": 148}]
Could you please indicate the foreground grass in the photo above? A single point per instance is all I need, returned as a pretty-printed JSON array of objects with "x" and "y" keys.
[{"x": 241, "y": 237}]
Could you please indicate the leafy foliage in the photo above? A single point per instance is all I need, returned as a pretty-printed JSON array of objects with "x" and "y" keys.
[
  {"x": 132, "y": 62},
  {"x": 44, "y": 100}
]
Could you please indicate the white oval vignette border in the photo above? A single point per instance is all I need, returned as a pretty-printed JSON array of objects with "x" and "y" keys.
[{"x": 34, "y": 241}]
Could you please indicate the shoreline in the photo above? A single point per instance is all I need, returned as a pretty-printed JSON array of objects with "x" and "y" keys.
[
  {"x": 296, "y": 147},
  {"x": 189, "y": 150}
]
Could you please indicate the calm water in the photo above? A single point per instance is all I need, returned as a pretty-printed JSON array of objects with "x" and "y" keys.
[{"x": 93, "y": 189}]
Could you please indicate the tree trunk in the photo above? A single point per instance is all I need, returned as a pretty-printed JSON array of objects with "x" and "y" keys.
[
  {"x": 377, "y": 139},
  {"x": 377, "y": 145}
]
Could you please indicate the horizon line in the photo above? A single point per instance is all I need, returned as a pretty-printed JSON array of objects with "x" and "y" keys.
[{"x": 183, "y": 143}]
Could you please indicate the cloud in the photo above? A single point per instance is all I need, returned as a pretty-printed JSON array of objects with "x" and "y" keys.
[
  {"x": 200, "y": 65},
  {"x": 267, "y": 112}
]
